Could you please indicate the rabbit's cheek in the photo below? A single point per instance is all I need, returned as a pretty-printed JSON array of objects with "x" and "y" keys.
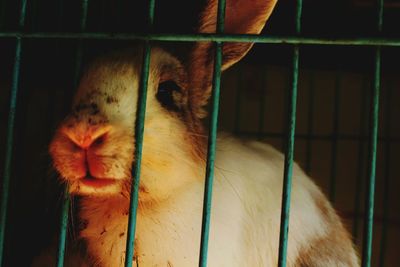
[
  {"x": 70, "y": 164},
  {"x": 77, "y": 166}
]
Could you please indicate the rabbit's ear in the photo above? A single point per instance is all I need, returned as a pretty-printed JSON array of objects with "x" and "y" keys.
[{"x": 241, "y": 17}]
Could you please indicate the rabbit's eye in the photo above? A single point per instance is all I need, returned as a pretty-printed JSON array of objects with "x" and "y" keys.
[{"x": 167, "y": 94}]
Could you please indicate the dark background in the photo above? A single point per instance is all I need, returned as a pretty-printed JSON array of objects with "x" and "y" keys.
[{"x": 47, "y": 85}]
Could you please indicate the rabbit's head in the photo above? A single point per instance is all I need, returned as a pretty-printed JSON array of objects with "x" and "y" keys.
[{"x": 93, "y": 148}]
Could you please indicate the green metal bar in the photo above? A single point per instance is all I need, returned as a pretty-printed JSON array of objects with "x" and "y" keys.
[
  {"x": 287, "y": 181},
  {"x": 212, "y": 136},
  {"x": 360, "y": 164},
  {"x": 387, "y": 181},
  {"x": 332, "y": 183},
  {"x": 310, "y": 121},
  {"x": 84, "y": 11},
  {"x": 210, "y": 157},
  {"x": 139, "y": 133},
  {"x": 9, "y": 147},
  {"x": 369, "y": 203},
  {"x": 209, "y": 37},
  {"x": 289, "y": 153},
  {"x": 63, "y": 228},
  {"x": 64, "y": 216},
  {"x": 10, "y": 132},
  {"x": 350, "y": 137},
  {"x": 380, "y": 14}
]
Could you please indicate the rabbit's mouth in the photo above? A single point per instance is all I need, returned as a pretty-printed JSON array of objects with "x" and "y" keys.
[
  {"x": 90, "y": 185},
  {"x": 94, "y": 182}
]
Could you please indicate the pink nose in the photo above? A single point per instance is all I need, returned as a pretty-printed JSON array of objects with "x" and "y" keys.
[
  {"x": 87, "y": 143},
  {"x": 88, "y": 137},
  {"x": 88, "y": 140}
]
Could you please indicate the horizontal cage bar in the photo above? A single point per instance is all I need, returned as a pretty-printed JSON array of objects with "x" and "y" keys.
[{"x": 204, "y": 37}]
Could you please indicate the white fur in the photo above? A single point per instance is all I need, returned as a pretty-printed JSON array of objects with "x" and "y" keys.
[
  {"x": 244, "y": 222},
  {"x": 247, "y": 190}
]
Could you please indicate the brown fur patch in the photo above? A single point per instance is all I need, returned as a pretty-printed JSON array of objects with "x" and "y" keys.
[
  {"x": 325, "y": 209},
  {"x": 335, "y": 248}
]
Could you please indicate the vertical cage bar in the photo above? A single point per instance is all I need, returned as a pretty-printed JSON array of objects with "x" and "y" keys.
[
  {"x": 289, "y": 153},
  {"x": 387, "y": 180},
  {"x": 210, "y": 158},
  {"x": 63, "y": 228},
  {"x": 370, "y": 198},
  {"x": 212, "y": 136},
  {"x": 10, "y": 131},
  {"x": 332, "y": 186},
  {"x": 287, "y": 181},
  {"x": 369, "y": 204},
  {"x": 310, "y": 121},
  {"x": 139, "y": 133},
  {"x": 66, "y": 197}
]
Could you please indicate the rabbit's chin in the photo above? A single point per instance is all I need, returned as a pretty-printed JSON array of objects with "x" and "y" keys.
[{"x": 96, "y": 187}]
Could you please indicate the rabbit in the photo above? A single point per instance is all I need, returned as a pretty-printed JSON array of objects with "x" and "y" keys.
[{"x": 93, "y": 151}]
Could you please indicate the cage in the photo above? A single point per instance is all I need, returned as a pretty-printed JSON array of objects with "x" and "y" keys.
[{"x": 340, "y": 59}]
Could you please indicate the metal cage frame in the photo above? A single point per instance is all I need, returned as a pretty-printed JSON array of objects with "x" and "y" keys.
[{"x": 218, "y": 38}]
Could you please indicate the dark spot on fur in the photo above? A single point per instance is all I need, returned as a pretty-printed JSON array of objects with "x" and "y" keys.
[
  {"x": 122, "y": 234},
  {"x": 102, "y": 121},
  {"x": 111, "y": 99},
  {"x": 92, "y": 108},
  {"x": 104, "y": 231}
]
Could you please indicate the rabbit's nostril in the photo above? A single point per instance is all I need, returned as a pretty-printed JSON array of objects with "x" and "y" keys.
[
  {"x": 87, "y": 138},
  {"x": 99, "y": 140},
  {"x": 95, "y": 139},
  {"x": 75, "y": 146}
]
